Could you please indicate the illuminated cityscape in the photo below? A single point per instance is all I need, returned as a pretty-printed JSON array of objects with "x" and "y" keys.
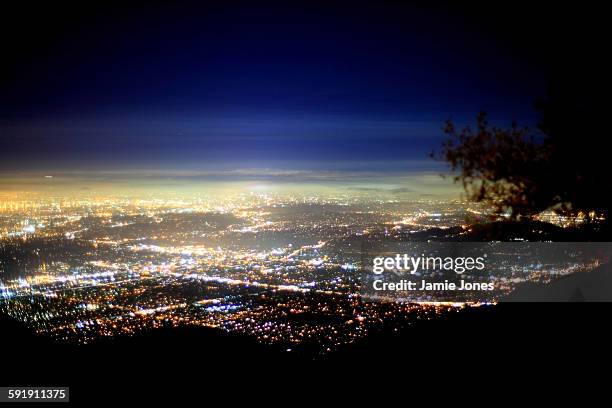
[{"x": 282, "y": 268}]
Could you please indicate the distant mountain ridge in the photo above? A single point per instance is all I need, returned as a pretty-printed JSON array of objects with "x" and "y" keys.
[{"x": 592, "y": 286}]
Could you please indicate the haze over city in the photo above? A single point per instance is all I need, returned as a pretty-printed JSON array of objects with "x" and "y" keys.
[{"x": 217, "y": 90}]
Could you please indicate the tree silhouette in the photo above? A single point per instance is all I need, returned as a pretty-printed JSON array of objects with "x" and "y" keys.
[{"x": 520, "y": 174}]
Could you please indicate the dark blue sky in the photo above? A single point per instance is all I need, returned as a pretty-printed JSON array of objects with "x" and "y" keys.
[{"x": 258, "y": 85}]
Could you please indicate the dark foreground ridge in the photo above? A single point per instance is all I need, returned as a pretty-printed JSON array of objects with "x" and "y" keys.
[{"x": 534, "y": 337}]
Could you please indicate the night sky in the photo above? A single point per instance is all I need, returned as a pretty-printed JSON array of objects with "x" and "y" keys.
[{"x": 351, "y": 86}]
